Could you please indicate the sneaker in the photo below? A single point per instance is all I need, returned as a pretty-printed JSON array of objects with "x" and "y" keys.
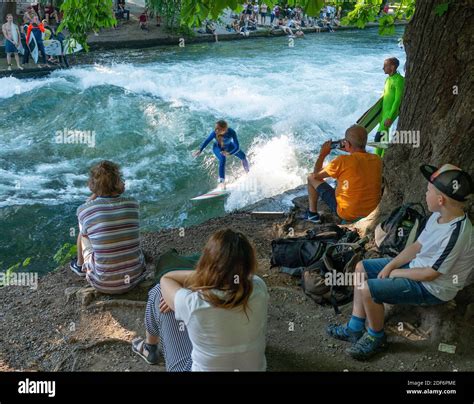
[
  {"x": 77, "y": 269},
  {"x": 367, "y": 346},
  {"x": 313, "y": 218},
  {"x": 344, "y": 333}
]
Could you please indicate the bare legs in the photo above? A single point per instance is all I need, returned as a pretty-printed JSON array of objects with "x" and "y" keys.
[{"x": 312, "y": 193}]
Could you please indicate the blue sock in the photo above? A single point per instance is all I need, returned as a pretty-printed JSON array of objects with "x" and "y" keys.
[
  {"x": 376, "y": 334},
  {"x": 356, "y": 323}
]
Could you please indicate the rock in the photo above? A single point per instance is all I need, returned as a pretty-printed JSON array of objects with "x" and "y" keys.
[
  {"x": 86, "y": 295},
  {"x": 70, "y": 293}
]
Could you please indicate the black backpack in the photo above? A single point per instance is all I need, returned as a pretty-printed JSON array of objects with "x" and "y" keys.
[
  {"x": 304, "y": 251},
  {"x": 326, "y": 281},
  {"x": 400, "y": 229}
]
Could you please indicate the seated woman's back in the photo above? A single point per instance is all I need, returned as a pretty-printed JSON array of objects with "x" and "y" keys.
[{"x": 225, "y": 339}]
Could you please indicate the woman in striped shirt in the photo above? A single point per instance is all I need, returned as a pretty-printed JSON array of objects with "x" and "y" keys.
[{"x": 108, "y": 244}]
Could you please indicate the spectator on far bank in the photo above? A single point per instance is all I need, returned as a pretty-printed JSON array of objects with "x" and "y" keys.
[
  {"x": 143, "y": 20},
  {"x": 12, "y": 36},
  {"x": 122, "y": 10},
  {"x": 263, "y": 13}
]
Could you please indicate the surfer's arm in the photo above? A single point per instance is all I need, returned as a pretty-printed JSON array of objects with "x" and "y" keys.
[
  {"x": 211, "y": 136},
  {"x": 397, "y": 99}
]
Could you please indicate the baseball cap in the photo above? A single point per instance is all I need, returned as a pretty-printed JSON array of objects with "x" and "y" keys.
[{"x": 450, "y": 180}]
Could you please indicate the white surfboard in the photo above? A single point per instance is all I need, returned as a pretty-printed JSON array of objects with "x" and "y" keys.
[
  {"x": 33, "y": 47},
  {"x": 380, "y": 145},
  {"x": 71, "y": 46},
  {"x": 215, "y": 193},
  {"x": 52, "y": 47}
]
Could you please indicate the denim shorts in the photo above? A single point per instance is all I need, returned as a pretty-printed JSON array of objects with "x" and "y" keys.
[
  {"x": 396, "y": 290},
  {"x": 328, "y": 195}
]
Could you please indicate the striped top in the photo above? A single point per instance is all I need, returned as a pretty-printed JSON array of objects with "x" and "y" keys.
[{"x": 112, "y": 226}]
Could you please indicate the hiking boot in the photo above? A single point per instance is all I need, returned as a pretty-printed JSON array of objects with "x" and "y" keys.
[
  {"x": 344, "y": 333},
  {"x": 367, "y": 346},
  {"x": 312, "y": 217}
]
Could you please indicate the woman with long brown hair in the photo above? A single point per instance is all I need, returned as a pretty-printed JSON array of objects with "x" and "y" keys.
[{"x": 212, "y": 318}]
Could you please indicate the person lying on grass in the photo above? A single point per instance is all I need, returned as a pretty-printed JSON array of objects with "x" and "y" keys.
[{"x": 430, "y": 271}]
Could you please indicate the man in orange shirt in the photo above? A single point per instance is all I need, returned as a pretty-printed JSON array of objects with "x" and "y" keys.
[{"x": 358, "y": 175}]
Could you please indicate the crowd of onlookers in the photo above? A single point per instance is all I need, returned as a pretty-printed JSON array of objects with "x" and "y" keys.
[
  {"x": 38, "y": 20},
  {"x": 289, "y": 20}
]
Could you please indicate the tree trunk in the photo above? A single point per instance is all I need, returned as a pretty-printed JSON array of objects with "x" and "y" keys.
[
  {"x": 8, "y": 7},
  {"x": 438, "y": 101}
]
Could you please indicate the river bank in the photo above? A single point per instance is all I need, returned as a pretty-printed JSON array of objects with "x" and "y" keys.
[
  {"x": 66, "y": 326},
  {"x": 129, "y": 36}
]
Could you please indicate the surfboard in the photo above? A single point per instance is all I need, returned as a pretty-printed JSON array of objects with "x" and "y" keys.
[
  {"x": 71, "y": 46},
  {"x": 33, "y": 47},
  {"x": 215, "y": 193},
  {"x": 380, "y": 145},
  {"x": 371, "y": 118},
  {"x": 52, "y": 47}
]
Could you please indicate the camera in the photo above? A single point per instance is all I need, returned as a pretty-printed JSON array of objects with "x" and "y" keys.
[{"x": 336, "y": 144}]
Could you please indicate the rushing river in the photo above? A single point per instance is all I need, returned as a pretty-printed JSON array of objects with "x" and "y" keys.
[{"x": 149, "y": 109}]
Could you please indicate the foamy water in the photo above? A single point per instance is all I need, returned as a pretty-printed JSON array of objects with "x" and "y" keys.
[{"x": 149, "y": 112}]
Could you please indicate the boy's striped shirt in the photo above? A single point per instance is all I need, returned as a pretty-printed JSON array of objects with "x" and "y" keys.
[{"x": 112, "y": 226}]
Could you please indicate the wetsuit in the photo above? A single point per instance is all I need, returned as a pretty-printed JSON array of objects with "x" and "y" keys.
[
  {"x": 230, "y": 145},
  {"x": 392, "y": 97}
]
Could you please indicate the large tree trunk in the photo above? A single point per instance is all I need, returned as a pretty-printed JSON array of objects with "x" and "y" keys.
[{"x": 438, "y": 100}]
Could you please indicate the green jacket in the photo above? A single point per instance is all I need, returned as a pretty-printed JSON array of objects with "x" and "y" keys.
[{"x": 392, "y": 97}]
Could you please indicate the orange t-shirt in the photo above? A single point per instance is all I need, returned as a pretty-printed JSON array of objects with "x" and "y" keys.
[{"x": 359, "y": 183}]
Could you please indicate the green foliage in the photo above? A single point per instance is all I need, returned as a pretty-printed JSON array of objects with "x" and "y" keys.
[
  {"x": 65, "y": 253},
  {"x": 440, "y": 9},
  {"x": 386, "y": 26},
  {"x": 366, "y": 11},
  {"x": 84, "y": 16}
]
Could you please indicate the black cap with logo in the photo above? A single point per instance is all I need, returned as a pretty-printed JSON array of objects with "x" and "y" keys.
[{"x": 450, "y": 180}]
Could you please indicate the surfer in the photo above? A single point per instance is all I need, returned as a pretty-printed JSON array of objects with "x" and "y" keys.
[
  {"x": 392, "y": 97},
  {"x": 226, "y": 144},
  {"x": 11, "y": 33}
]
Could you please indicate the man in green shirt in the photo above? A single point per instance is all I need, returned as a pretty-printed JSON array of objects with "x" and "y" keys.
[{"x": 392, "y": 97}]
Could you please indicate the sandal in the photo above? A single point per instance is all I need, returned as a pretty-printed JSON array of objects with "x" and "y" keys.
[{"x": 149, "y": 353}]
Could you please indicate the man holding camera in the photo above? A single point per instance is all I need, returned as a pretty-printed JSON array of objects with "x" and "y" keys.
[{"x": 358, "y": 175}]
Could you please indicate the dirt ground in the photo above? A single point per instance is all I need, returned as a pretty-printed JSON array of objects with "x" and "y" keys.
[{"x": 65, "y": 326}]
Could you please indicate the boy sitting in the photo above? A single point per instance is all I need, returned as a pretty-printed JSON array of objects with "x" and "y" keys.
[
  {"x": 108, "y": 244},
  {"x": 430, "y": 271}
]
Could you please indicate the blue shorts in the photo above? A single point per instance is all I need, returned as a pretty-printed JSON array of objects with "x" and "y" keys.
[
  {"x": 328, "y": 195},
  {"x": 10, "y": 47},
  {"x": 396, "y": 290}
]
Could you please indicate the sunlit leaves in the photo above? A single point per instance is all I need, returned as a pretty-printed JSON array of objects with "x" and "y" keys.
[{"x": 84, "y": 16}]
